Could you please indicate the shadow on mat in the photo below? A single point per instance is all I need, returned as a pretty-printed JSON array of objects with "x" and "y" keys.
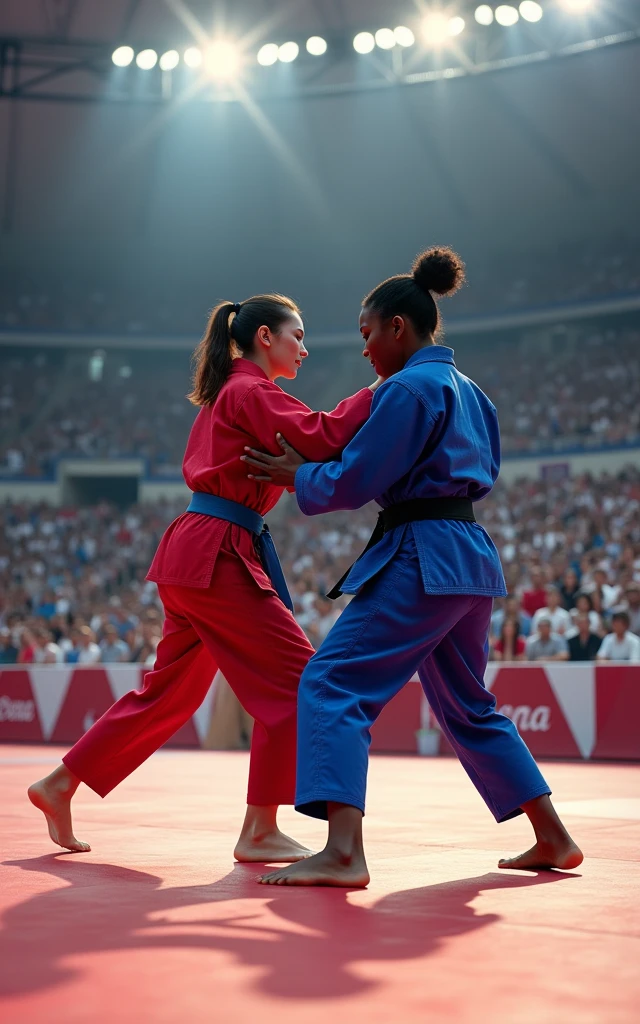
[{"x": 307, "y": 940}]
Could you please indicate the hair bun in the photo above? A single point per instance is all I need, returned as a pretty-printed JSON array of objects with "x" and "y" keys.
[{"x": 438, "y": 270}]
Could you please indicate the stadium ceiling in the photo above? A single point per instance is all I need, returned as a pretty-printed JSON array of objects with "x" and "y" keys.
[{"x": 157, "y": 51}]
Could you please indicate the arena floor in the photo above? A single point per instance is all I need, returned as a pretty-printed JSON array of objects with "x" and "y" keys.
[{"x": 156, "y": 924}]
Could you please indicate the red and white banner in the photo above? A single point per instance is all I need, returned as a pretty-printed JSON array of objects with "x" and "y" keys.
[
  {"x": 553, "y": 705},
  {"x": 561, "y": 710},
  {"x": 58, "y": 703}
]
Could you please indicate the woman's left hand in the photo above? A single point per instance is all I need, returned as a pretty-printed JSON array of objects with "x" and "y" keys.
[{"x": 277, "y": 469}]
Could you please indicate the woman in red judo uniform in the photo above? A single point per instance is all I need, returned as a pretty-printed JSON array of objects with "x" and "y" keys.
[
  {"x": 423, "y": 587},
  {"x": 224, "y": 595}
]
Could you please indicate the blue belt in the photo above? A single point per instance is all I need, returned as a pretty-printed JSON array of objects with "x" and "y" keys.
[{"x": 234, "y": 512}]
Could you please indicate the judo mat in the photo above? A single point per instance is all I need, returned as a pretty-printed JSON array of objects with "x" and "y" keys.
[{"x": 157, "y": 924}]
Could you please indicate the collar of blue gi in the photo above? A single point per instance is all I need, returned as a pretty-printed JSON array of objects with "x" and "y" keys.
[{"x": 431, "y": 354}]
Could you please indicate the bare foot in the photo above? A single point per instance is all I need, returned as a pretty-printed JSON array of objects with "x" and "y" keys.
[
  {"x": 564, "y": 855},
  {"x": 55, "y": 804},
  {"x": 325, "y": 868},
  {"x": 272, "y": 847}
]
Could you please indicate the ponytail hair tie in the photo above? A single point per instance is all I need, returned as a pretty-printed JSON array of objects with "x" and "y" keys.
[{"x": 236, "y": 308}]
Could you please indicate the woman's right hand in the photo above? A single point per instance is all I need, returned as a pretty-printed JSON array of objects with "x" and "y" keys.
[
  {"x": 376, "y": 384},
  {"x": 277, "y": 469}
]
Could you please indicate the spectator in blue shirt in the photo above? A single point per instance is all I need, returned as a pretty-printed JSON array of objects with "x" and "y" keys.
[
  {"x": 112, "y": 647},
  {"x": 47, "y": 607}
]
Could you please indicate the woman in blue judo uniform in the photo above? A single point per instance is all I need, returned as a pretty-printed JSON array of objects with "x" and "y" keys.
[{"x": 423, "y": 586}]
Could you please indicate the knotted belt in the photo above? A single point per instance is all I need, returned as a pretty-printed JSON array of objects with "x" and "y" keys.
[
  {"x": 234, "y": 512},
  {"x": 412, "y": 511}
]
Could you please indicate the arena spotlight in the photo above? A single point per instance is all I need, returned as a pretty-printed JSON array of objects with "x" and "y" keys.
[
  {"x": 221, "y": 59},
  {"x": 268, "y": 54},
  {"x": 484, "y": 14},
  {"x": 147, "y": 59},
  {"x": 122, "y": 57},
  {"x": 530, "y": 10},
  {"x": 364, "y": 42},
  {"x": 434, "y": 28},
  {"x": 385, "y": 38},
  {"x": 288, "y": 52},
  {"x": 506, "y": 15},
  {"x": 169, "y": 60},
  {"x": 404, "y": 36},
  {"x": 316, "y": 46},
  {"x": 193, "y": 57},
  {"x": 437, "y": 28}
]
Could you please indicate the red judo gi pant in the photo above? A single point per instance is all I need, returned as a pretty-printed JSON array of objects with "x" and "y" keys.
[{"x": 234, "y": 626}]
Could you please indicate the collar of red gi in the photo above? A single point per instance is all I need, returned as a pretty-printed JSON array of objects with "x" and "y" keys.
[{"x": 246, "y": 366}]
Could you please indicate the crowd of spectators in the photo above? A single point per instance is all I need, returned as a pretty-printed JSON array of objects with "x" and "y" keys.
[
  {"x": 558, "y": 393},
  {"x": 134, "y": 306},
  {"x": 93, "y": 405},
  {"x": 555, "y": 395},
  {"x": 568, "y": 276},
  {"x": 72, "y": 585},
  {"x": 571, "y": 556},
  {"x": 72, "y": 581}
]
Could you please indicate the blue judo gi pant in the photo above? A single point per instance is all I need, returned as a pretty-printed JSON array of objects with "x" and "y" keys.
[{"x": 389, "y": 630}]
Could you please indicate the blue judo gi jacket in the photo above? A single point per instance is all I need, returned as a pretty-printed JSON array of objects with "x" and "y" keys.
[{"x": 432, "y": 433}]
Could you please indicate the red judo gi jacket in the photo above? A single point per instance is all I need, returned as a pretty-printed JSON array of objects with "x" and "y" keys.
[{"x": 249, "y": 410}]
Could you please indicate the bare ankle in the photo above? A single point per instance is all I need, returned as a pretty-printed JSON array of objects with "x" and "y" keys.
[
  {"x": 547, "y": 826},
  {"x": 552, "y": 837},
  {"x": 64, "y": 781},
  {"x": 344, "y": 854},
  {"x": 259, "y": 822},
  {"x": 345, "y": 844},
  {"x": 61, "y": 783},
  {"x": 256, "y": 836}
]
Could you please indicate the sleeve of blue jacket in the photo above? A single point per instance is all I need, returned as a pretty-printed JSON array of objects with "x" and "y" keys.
[{"x": 381, "y": 453}]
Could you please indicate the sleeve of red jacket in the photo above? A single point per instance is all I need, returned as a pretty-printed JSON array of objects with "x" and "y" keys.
[{"x": 268, "y": 410}]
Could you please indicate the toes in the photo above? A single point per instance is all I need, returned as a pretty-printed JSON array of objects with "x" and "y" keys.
[
  {"x": 276, "y": 878},
  {"x": 76, "y": 846}
]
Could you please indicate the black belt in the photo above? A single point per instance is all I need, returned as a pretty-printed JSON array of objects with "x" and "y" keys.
[{"x": 413, "y": 511}]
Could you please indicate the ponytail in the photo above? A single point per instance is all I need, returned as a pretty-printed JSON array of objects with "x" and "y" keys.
[
  {"x": 214, "y": 355},
  {"x": 212, "y": 358}
]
